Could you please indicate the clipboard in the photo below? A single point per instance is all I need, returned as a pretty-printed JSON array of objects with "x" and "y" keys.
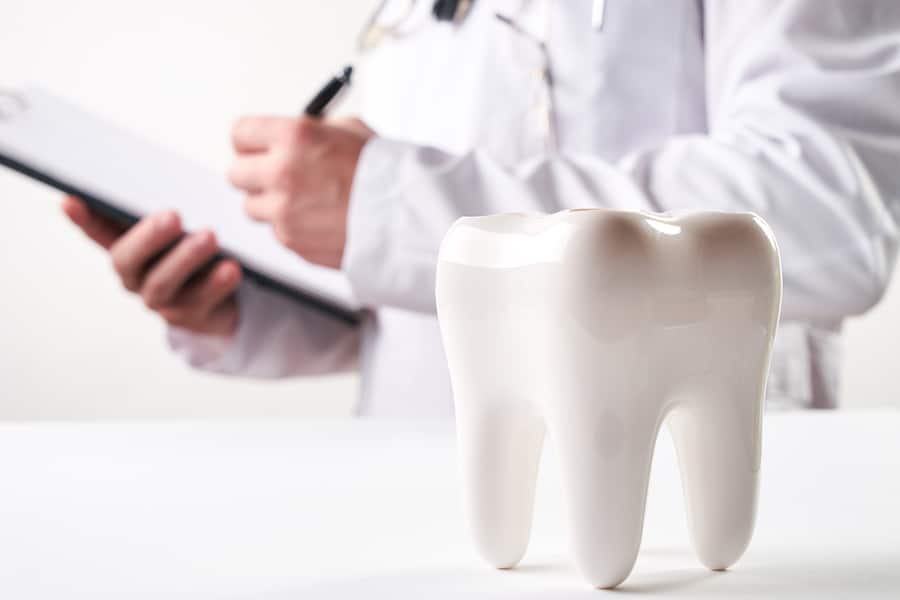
[{"x": 124, "y": 177}]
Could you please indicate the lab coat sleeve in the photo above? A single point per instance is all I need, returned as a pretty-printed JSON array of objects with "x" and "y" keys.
[
  {"x": 276, "y": 337},
  {"x": 803, "y": 101}
]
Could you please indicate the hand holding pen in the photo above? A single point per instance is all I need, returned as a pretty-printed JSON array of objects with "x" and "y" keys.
[{"x": 297, "y": 174}]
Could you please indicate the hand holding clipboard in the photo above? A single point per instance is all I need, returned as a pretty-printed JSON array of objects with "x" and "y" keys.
[
  {"x": 297, "y": 175},
  {"x": 185, "y": 262}
]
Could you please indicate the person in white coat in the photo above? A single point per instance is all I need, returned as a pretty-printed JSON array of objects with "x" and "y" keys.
[{"x": 787, "y": 108}]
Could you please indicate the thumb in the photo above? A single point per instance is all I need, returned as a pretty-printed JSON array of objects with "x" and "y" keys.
[{"x": 353, "y": 125}]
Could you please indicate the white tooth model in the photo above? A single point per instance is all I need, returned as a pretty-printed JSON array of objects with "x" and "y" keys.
[{"x": 596, "y": 325}]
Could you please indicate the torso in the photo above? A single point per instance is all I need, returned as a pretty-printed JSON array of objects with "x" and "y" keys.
[{"x": 631, "y": 84}]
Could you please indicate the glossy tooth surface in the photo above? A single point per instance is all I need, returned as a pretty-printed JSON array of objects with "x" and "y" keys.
[{"x": 595, "y": 326}]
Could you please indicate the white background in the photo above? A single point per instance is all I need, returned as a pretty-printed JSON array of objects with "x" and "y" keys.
[{"x": 73, "y": 344}]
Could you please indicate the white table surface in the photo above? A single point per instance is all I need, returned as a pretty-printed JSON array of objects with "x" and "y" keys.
[{"x": 364, "y": 509}]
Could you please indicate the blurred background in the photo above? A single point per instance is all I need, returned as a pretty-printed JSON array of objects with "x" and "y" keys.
[{"x": 73, "y": 344}]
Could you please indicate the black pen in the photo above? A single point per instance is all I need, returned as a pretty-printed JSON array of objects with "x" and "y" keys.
[{"x": 316, "y": 107}]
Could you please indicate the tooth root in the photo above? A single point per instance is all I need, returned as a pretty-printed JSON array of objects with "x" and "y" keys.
[
  {"x": 718, "y": 445},
  {"x": 605, "y": 453},
  {"x": 500, "y": 452}
]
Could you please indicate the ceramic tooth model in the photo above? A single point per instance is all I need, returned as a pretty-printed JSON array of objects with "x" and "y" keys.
[{"x": 595, "y": 326}]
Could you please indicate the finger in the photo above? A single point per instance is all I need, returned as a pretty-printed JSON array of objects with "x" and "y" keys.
[
  {"x": 220, "y": 321},
  {"x": 324, "y": 256},
  {"x": 249, "y": 172},
  {"x": 258, "y": 134},
  {"x": 332, "y": 261},
  {"x": 143, "y": 242},
  {"x": 204, "y": 294},
  {"x": 218, "y": 286},
  {"x": 352, "y": 125},
  {"x": 100, "y": 229},
  {"x": 224, "y": 318},
  {"x": 167, "y": 276},
  {"x": 262, "y": 207}
]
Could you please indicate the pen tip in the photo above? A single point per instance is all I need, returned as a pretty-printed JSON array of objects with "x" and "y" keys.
[{"x": 347, "y": 74}]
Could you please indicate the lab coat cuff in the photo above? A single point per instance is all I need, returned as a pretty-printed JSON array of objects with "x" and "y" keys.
[
  {"x": 373, "y": 200},
  {"x": 216, "y": 353}
]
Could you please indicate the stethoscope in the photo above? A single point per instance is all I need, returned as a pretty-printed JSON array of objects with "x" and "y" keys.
[
  {"x": 448, "y": 11},
  {"x": 377, "y": 29}
]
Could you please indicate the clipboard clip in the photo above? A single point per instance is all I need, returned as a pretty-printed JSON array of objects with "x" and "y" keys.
[{"x": 12, "y": 103}]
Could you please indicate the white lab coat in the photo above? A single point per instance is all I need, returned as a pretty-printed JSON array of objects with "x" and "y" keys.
[{"x": 788, "y": 108}]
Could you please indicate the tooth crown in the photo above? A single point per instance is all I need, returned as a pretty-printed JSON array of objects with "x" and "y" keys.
[{"x": 595, "y": 326}]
